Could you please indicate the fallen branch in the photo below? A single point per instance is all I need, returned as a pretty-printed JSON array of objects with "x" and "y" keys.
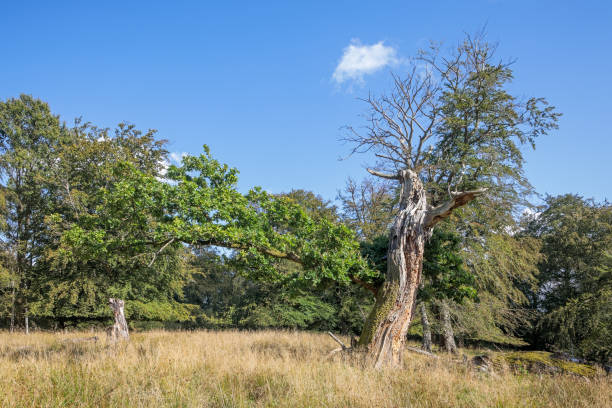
[
  {"x": 82, "y": 339},
  {"x": 344, "y": 347},
  {"x": 334, "y": 351},
  {"x": 417, "y": 350}
]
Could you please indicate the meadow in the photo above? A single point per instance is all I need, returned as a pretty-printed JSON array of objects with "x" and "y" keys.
[{"x": 259, "y": 369}]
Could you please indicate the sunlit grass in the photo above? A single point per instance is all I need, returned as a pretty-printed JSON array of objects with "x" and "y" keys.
[{"x": 267, "y": 368}]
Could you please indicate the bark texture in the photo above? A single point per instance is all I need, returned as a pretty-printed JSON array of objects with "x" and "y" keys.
[
  {"x": 426, "y": 328},
  {"x": 384, "y": 332},
  {"x": 386, "y": 327},
  {"x": 447, "y": 328},
  {"x": 119, "y": 330}
]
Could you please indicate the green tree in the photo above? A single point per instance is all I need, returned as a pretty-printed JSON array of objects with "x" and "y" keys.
[
  {"x": 232, "y": 295},
  {"x": 575, "y": 282},
  {"x": 76, "y": 287},
  {"x": 29, "y": 138},
  {"x": 140, "y": 219},
  {"x": 505, "y": 269}
]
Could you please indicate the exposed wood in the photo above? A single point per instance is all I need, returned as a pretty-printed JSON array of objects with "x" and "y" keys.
[
  {"x": 364, "y": 285},
  {"x": 119, "y": 330},
  {"x": 334, "y": 351},
  {"x": 385, "y": 329},
  {"x": 445, "y": 209},
  {"x": 417, "y": 350},
  {"x": 344, "y": 347},
  {"x": 268, "y": 251},
  {"x": 13, "y": 301},
  {"x": 383, "y": 175}
]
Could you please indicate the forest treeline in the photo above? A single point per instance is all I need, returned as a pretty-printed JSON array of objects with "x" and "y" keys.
[{"x": 89, "y": 213}]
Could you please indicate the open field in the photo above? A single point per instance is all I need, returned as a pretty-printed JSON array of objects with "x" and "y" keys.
[{"x": 268, "y": 368}]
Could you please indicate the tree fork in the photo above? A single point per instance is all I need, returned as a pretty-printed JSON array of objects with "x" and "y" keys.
[{"x": 385, "y": 329}]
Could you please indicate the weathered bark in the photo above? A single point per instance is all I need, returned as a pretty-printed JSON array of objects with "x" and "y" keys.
[
  {"x": 384, "y": 332},
  {"x": 119, "y": 330},
  {"x": 426, "y": 328},
  {"x": 447, "y": 328},
  {"x": 385, "y": 329}
]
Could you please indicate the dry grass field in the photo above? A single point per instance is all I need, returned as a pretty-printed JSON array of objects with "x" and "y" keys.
[{"x": 260, "y": 369}]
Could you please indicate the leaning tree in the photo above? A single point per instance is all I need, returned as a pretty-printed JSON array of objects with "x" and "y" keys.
[{"x": 447, "y": 133}]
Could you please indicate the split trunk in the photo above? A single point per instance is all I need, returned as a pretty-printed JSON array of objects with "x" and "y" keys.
[{"x": 385, "y": 329}]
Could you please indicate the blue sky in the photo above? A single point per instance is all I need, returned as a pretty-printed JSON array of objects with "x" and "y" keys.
[{"x": 255, "y": 80}]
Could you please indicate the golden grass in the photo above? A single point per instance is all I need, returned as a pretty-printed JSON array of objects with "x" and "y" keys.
[{"x": 267, "y": 369}]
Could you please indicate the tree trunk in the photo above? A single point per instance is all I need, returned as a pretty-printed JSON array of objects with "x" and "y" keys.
[
  {"x": 426, "y": 328},
  {"x": 13, "y": 307},
  {"x": 385, "y": 329},
  {"x": 119, "y": 330},
  {"x": 27, "y": 321},
  {"x": 447, "y": 328}
]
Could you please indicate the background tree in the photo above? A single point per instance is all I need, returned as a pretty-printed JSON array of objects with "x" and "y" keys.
[
  {"x": 444, "y": 280},
  {"x": 446, "y": 134},
  {"x": 575, "y": 282},
  {"x": 78, "y": 281},
  {"x": 233, "y": 296},
  {"x": 29, "y": 139},
  {"x": 368, "y": 207}
]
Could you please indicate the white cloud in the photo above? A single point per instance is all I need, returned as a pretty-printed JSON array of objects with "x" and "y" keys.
[
  {"x": 173, "y": 158},
  {"x": 359, "y": 60},
  {"x": 176, "y": 157}
]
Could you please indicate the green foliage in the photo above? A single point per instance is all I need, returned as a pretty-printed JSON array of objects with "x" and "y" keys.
[
  {"x": 575, "y": 285},
  {"x": 482, "y": 126},
  {"x": 29, "y": 139},
  {"x": 232, "y": 293},
  {"x": 505, "y": 270},
  {"x": 199, "y": 205},
  {"x": 443, "y": 272}
]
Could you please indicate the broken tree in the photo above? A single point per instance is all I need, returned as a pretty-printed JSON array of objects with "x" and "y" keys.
[
  {"x": 119, "y": 330},
  {"x": 446, "y": 134}
]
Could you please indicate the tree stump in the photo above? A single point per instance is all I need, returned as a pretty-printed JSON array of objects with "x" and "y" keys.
[{"x": 119, "y": 330}]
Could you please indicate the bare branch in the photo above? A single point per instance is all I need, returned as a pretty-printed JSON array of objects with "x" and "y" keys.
[
  {"x": 445, "y": 209},
  {"x": 171, "y": 240},
  {"x": 383, "y": 175},
  {"x": 416, "y": 350},
  {"x": 344, "y": 347}
]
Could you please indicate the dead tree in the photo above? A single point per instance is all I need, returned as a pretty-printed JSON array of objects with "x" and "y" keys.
[
  {"x": 426, "y": 328},
  {"x": 447, "y": 328},
  {"x": 119, "y": 330}
]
